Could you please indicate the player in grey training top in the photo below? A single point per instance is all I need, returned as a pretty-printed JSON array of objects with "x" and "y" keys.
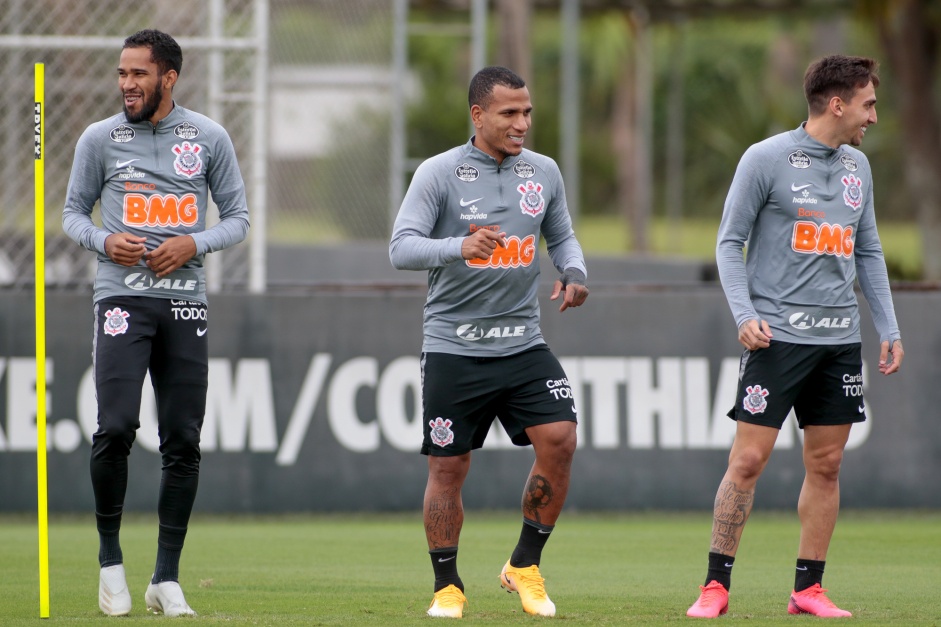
[
  {"x": 486, "y": 306},
  {"x": 806, "y": 212},
  {"x": 803, "y": 203},
  {"x": 473, "y": 217},
  {"x": 152, "y": 168}
]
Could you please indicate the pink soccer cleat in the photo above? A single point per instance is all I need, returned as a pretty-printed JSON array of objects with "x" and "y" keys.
[
  {"x": 814, "y": 601},
  {"x": 712, "y": 602}
]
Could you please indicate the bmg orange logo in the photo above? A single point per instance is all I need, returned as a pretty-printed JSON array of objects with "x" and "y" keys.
[
  {"x": 517, "y": 253},
  {"x": 158, "y": 210},
  {"x": 825, "y": 239}
]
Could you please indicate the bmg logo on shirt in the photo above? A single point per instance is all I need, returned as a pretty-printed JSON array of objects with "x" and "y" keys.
[
  {"x": 516, "y": 253},
  {"x": 823, "y": 239},
  {"x": 158, "y": 210}
]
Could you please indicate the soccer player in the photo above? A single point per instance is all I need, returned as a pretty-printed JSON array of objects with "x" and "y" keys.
[
  {"x": 472, "y": 217},
  {"x": 152, "y": 168},
  {"x": 803, "y": 201}
]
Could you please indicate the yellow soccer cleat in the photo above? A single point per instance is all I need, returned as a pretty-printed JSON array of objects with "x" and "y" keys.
[
  {"x": 449, "y": 602},
  {"x": 531, "y": 587}
]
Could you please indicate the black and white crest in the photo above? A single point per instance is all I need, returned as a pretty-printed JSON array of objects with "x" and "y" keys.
[
  {"x": 848, "y": 162},
  {"x": 186, "y": 131},
  {"x": 466, "y": 172},
  {"x": 524, "y": 170},
  {"x": 799, "y": 159},
  {"x": 122, "y": 134}
]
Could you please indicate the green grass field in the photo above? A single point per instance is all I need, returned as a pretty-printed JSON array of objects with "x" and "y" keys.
[
  {"x": 601, "y": 569},
  {"x": 692, "y": 238}
]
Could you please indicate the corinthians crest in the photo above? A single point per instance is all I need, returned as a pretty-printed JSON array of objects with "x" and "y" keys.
[
  {"x": 852, "y": 191},
  {"x": 116, "y": 321},
  {"x": 532, "y": 203},
  {"x": 188, "y": 162},
  {"x": 441, "y": 433},
  {"x": 755, "y": 401}
]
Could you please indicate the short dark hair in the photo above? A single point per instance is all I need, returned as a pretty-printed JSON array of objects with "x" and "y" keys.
[
  {"x": 481, "y": 86},
  {"x": 837, "y": 75},
  {"x": 164, "y": 51}
]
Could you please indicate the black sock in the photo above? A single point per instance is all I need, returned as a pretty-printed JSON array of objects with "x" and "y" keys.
[
  {"x": 444, "y": 563},
  {"x": 532, "y": 540},
  {"x": 808, "y": 573},
  {"x": 168, "y": 565},
  {"x": 109, "y": 543},
  {"x": 169, "y": 548},
  {"x": 720, "y": 569}
]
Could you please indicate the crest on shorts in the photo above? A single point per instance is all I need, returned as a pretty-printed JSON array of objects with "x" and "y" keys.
[
  {"x": 116, "y": 321},
  {"x": 441, "y": 433},
  {"x": 755, "y": 401},
  {"x": 188, "y": 162},
  {"x": 532, "y": 203},
  {"x": 852, "y": 192}
]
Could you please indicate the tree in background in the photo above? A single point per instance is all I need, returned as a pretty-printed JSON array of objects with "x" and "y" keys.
[{"x": 910, "y": 33}]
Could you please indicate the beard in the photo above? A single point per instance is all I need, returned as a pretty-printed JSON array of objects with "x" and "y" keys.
[{"x": 149, "y": 106}]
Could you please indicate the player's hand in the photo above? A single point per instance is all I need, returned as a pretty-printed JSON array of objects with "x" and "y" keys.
[
  {"x": 754, "y": 335},
  {"x": 171, "y": 254},
  {"x": 125, "y": 249},
  {"x": 481, "y": 243},
  {"x": 890, "y": 360},
  {"x": 573, "y": 282}
]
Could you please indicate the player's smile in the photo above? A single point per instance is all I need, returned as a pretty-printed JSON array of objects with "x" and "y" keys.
[{"x": 502, "y": 125}]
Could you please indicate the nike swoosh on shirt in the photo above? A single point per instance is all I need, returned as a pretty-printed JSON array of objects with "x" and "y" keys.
[
  {"x": 797, "y": 188},
  {"x": 470, "y": 202},
  {"x": 201, "y": 332},
  {"x": 122, "y": 164}
]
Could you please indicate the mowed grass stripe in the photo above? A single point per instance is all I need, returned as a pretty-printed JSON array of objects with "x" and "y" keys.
[{"x": 601, "y": 569}]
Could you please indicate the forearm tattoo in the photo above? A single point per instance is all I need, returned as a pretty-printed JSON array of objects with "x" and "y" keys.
[
  {"x": 443, "y": 519},
  {"x": 731, "y": 511},
  {"x": 537, "y": 496}
]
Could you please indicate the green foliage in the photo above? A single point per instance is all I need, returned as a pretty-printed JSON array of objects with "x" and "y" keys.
[
  {"x": 743, "y": 81},
  {"x": 600, "y": 569},
  {"x": 695, "y": 238}
]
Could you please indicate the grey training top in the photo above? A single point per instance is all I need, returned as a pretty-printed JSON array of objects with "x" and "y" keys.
[
  {"x": 806, "y": 211},
  {"x": 483, "y": 308},
  {"x": 154, "y": 182}
]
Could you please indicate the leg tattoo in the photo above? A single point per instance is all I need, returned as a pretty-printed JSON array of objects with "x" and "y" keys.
[
  {"x": 444, "y": 518},
  {"x": 732, "y": 508},
  {"x": 537, "y": 496}
]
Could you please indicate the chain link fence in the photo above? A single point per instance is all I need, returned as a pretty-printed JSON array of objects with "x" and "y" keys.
[{"x": 315, "y": 162}]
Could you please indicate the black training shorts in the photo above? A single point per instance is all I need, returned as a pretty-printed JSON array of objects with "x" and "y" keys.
[
  {"x": 824, "y": 385},
  {"x": 461, "y": 396}
]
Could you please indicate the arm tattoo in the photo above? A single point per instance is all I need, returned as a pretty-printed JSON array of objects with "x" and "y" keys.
[
  {"x": 444, "y": 519},
  {"x": 537, "y": 496},
  {"x": 732, "y": 508}
]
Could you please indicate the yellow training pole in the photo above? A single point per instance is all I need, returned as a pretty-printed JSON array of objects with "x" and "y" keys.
[{"x": 40, "y": 247}]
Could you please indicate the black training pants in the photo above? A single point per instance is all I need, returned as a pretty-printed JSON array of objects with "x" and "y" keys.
[{"x": 134, "y": 334}]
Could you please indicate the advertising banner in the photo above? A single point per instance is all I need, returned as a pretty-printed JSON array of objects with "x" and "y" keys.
[{"x": 314, "y": 404}]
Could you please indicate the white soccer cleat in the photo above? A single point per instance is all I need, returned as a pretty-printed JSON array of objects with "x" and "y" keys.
[
  {"x": 167, "y": 597},
  {"x": 114, "y": 599}
]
